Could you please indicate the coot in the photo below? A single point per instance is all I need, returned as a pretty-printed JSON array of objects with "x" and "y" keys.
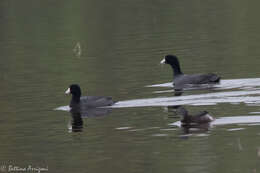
[
  {"x": 181, "y": 80},
  {"x": 78, "y": 101}
]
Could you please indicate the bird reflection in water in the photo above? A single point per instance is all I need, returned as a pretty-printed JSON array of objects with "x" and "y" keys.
[
  {"x": 76, "y": 124},
  {"x": 193, "y": 123},
  {"x": 77, "y": 115}
]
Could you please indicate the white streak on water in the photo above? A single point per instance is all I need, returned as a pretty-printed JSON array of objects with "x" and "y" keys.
[
  {"x": 123, "y": 128},
  {"x": 171, "y": 129},
  {"x": 248, "y": 97},
  {"x": 235, "y": 129},
  {"x": 160, "y": 135},
  {"x": 229, "y": 120},
  {"x": 168, "y": 84},
  {"x": 201, "y": 135},
  {"x": 165, "y": 91},
  {"x": 62, "y": 108},
  {"x": 254, "y": 112}
]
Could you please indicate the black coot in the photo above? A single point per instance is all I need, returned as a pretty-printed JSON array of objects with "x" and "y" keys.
[
  {"x": 78, "y": 101},
  {"x": 181, "y": 80}
]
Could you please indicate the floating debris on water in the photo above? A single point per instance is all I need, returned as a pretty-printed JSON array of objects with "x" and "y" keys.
[{"x": 77, "y": 49}]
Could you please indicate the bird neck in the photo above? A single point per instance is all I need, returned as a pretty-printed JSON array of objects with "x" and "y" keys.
[
  {"x": 176, "y": 70},
  {"x": 75, "y": 99}
]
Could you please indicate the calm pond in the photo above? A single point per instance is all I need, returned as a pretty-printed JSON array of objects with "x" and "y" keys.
[{"x": 114, "y": 48}]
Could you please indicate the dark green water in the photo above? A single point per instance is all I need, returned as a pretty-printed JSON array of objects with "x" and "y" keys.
[{"x": 122, "y": 43}]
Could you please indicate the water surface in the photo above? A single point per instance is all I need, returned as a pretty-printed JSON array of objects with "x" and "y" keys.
[{"x": 121, "y": 45}]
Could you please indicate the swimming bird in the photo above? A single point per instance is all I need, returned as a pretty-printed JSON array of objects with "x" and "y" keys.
[
  {"x": 181, "y": 80},
  {"x": 199, "y": 118},
  {"x": 80, "y": 102}
]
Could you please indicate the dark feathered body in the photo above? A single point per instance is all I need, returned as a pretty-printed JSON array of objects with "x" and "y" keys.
[
  {"x": 183, "y": 80},
  {"x": 96, "y": 101}
]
